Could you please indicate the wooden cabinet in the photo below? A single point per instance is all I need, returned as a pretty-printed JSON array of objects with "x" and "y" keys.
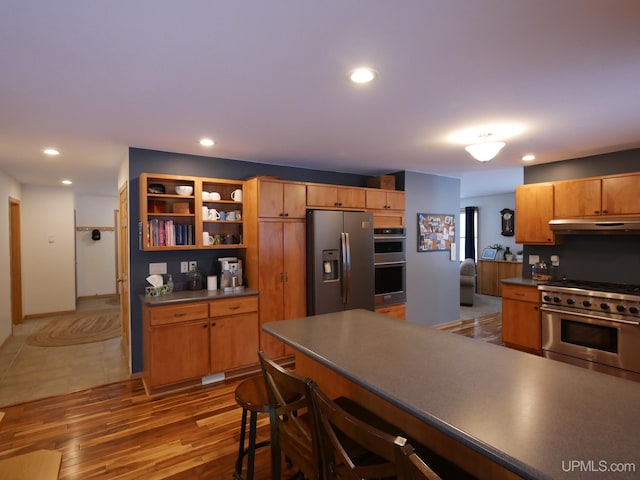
[
  {"x": 521, "y": 318},
  {"x": 281, "y": 277},
  {"x": 385, "y": 199},
  {"x": 234, "y": 333},
  {"x": 215, "y": 214},
  {"x": 491, "y": 273},
  {"x": 577, "y": 198},
  {"x": 534, "y": 210},
  {"x": 387, "y": 207},
  {"x": 191, "y": 340},
  {"x": 279, "y": 199},
  {"x": 398, "y": 310},
  {"x": 276, "y": 253},
  {"x": 175, "y": 343},
  {"x": 620, "y": 194},
  {"x": 610, "y": 195},
  {"x": 169, "y": 221},
  {"x": 333, "y": 196}
]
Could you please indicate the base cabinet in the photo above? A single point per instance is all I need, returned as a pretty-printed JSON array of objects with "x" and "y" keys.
[
  {"x": 191, "y": 340},
  {"x": 491, "y": 272},
  {"x": 521, "y": 318}
]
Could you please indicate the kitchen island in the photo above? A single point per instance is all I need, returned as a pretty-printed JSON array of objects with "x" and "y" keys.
[{"x": 496, "y": 412}]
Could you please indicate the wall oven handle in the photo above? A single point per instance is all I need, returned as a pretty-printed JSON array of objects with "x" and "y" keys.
[{"x": 588, "y": 315}]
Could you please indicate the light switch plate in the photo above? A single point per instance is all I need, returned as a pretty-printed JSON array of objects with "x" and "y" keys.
[
  {"x": 157, "y": 268},
  {"x": 534, "y": 259}
]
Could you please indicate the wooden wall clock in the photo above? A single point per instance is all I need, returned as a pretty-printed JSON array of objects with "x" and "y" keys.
[{"x": 507, "y": 216}]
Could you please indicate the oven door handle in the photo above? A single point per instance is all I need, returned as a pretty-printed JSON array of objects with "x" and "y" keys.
[{"x": 588, "y": 315}]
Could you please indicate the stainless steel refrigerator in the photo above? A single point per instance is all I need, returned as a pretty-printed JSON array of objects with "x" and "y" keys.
[{"x": 339, "y": 261}]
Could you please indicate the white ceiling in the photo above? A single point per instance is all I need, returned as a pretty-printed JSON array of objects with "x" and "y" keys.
[{"x": 267, "y": 81}]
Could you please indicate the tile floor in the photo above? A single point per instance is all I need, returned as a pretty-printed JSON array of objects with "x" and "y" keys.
[{"x": 28, "y": 372}]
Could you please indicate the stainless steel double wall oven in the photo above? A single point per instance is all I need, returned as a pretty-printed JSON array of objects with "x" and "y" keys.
[{"x": 390, "y": 262}]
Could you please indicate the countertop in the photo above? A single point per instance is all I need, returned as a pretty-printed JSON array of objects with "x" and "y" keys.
[
  {"x": 525, "y": 282},
  {"x": 532, "y": 415},
  {"x": 185, "y": 296}
]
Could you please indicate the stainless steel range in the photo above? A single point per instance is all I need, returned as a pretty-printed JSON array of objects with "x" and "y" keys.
[{"x": 594, "y": 325}]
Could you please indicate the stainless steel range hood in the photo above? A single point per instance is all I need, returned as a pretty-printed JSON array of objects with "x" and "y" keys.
[{"x": 596, "y": 226}]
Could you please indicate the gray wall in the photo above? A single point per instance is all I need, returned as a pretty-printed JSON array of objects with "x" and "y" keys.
[
  {"x": 433, "y": 280},
  {"x": 490, "y": 220}
]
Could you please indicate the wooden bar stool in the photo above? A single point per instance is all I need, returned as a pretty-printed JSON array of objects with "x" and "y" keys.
[{"x": 251, "y": 395}]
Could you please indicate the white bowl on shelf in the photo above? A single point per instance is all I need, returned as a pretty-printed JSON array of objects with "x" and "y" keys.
[{"x": 185, "y": 190}]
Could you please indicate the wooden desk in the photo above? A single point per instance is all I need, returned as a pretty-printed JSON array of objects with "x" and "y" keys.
[
  {"x": 491, "y": 272},
  {"x": 497, "y": 412}
]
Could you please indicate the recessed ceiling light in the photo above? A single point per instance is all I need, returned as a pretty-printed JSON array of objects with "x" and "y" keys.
[
  {"x": 529, "y": 157},
  {"x": 66, "y": 182},
  {"x": 206, "y": 142},
  {"x": 51, "y": 151},
  {"x": 362, "y": 75}
]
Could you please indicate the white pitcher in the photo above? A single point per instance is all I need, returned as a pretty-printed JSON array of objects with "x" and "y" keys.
[{"x": 236, "y": 195}]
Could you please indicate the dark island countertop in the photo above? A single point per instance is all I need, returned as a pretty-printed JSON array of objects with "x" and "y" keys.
[
  {"x": 185, "y": 296},
  {"x": 539, "y": 418}
]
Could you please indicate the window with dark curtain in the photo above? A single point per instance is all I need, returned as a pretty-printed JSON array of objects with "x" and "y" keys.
[{"x": 470, "y": 233}]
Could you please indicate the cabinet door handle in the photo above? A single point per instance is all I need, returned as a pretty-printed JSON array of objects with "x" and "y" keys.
[
  {"x": 286, "y": 214},
  {"x": 234, "y": 307},
  {"x": 519, "y": 294},
  {"x": 281, "y": 214},
  {"x": 182, "y": 314},
  {"x": 205, "y": 326},
  {"x": 213, "y": 324}
]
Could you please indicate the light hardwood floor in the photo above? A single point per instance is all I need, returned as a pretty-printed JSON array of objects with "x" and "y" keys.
[{"x": 118, "y": 432}]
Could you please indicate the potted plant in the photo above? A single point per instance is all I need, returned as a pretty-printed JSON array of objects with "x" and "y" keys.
[{"x": 519, "y": 254}]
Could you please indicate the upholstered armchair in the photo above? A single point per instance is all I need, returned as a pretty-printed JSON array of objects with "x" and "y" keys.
[{"x": 467, "y": 281}]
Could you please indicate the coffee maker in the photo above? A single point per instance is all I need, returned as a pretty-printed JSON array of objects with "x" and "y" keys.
[{"x": 230, "y": 273}]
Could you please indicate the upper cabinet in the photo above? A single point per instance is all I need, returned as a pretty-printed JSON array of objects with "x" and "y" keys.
[
  {"x": 534, "y": 209},
  {"x": 221, "y": 213},
  {"x": 610, "y": 195},
  {"x": 167, "y": 218},
  {"x": 178, "y": 212},
  {"x": 333, "y": 196},
  {"x": 278, "y": 198},
  {"x": 387, "y": 207},
  {"x": 577, "y": 198},
  {"x": 385, "y": 199},
  {"x": 620, "y": 194}
]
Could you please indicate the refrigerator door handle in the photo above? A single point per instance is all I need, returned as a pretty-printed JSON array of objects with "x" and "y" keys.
[{"x": 346, "y": 267}]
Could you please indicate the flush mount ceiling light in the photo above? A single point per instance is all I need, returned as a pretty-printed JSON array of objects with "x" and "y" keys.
[
  {"x": 207, "y": 142},
  {"x": 66, "y": 182},
  {"x": 528, "y": 158},
  {"x": 362, "y": 75},
  {"x": 485, "y": 150},
  {"x": 51, "y": 151}
]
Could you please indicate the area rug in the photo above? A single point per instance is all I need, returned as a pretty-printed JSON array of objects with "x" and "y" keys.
[{"x": 82, "y": 327}]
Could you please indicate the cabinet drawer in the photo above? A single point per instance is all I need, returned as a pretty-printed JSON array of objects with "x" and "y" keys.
[
  {"x": 517, "y": 292},
  {"x": 178, "y": 313},
  {"x": 233, "y": 306}
]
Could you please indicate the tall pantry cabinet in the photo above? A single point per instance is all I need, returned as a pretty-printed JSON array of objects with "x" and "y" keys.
[{"x": 275, "y": 231}]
